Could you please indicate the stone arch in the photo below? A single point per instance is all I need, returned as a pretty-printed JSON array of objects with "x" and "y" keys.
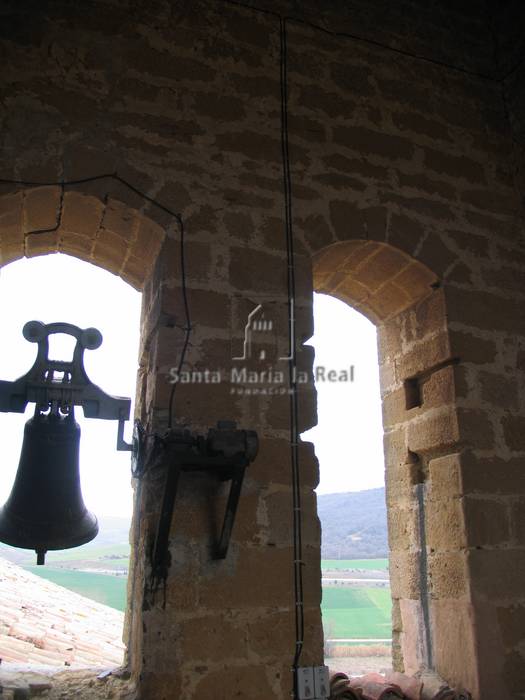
[
  {"x": 102, "y": 230},
  {"x": 116, "y": 236},
  {"x": 420, "y": 381},
  {"x": 375, "y": 278}
]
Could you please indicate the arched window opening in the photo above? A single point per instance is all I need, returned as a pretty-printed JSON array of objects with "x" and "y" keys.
[
  {"x": 348, "y": 440},
  {"x": 81, "y": 626}
]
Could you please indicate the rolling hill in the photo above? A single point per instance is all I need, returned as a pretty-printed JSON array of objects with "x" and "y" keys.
[
  {"x": 353, "y": 524},
  {"x": 353, "y": 527}
]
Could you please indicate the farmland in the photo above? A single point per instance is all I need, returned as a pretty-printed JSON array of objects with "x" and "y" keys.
[
  {"x": 350, "y": 613},
  {"x": 343, "y": 564},
  {"x": 354, "y": 605},
  {"x": 106, "y": 589}
]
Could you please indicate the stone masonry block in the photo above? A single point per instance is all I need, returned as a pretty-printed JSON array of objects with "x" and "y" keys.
[
  {"x": 208, "y": 307},
  {"x": 416, "y": 281},
  {"x": 347, "y": 220},
  {"x": 11, "y": 203},
  {"x": 403, "y": 524},
  {"x": 517, "y": 515},
  {"x": 511, "y": 619},
  {"x": 514, "y": 670},
  {"x": 257, "y": 271},
  {"x": 81, "y": 214},
  {"x": 445, "y": 524},
  {"x": 445, "y": 477},
  {"x": 484, "y": 310},
  {"x": 10, "y": 253},
  {"x": 500, "y": 391},
  {"x": 41, "y": 243},
  {"x": 75, "y": 244},
  {"x": 253, "y": 572},
  {"x": 471, "y": 348},
  {"x": 109, "y": 251},
  {"x": 394, "y": 408},
  {"x": 389, "y": 301},
  {"x": 405, "y": 232},
  {"x": 332, "y": 257},
  {"x": 41, "y": 209},
  {"x": 344, "y": 287},
  {"x": 514, "y": 431},
  {"x": 390, "y": 339},
  {"x": 434, "y": 431},
  {"x": 381, "y": 267},
  {"x": 489, "y": 569},
  {"x": 454, "y": 651},
  {"x": 11, "y": 231},
  {"x": 400, "y": 480},
  {"x": 223, "y": 686},
  {"x": 404, "y": 574},
  {"x": 198, "y": 258},
  {"x": 439, "y": 388},
  {"x": 492, "y": 474},
  {"x": 425, "y": 355},
  {"x": 448, "y": 574},
  {"x": 148, "y": 240},
  {"x": 395, "y": 447},
  {"x": 454, "y": 166},
  {"x": 134, "y": 271},
  {"x": 486, "y": 521},
  {"x": 375, "y": 143},
  {"x": 210, "y": 638},
  {"x": 428, "y": 317},
  {"x": 475, "y": 428}
]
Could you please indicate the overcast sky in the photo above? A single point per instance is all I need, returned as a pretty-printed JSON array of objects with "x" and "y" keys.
[
  {"x": 53, "y": 288},
  {"x": 349, "y": 436}
]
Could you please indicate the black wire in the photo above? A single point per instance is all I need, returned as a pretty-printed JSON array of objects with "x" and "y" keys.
[
  {"x": 178, "y": 218},
  {"x": 292, "y": 366},
  {"x": 188, "y": 328},
  {"x": 364, "y": 40}
]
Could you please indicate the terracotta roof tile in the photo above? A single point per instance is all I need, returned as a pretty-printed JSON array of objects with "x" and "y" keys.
[
  {"x": 393, "y": 686},
  {"x": 45, "y": 624}
]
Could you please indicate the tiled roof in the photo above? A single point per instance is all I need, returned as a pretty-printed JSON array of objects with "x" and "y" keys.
[
  {"x": 42, "y": 623},
  {"x": 393, "y": 686}
]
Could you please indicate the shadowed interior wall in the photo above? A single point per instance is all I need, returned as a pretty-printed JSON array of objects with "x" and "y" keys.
[{"x": 405, "y": 182}]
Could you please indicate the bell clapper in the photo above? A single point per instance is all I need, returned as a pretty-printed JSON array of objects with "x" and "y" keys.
[{"x": 41, "y": 556}]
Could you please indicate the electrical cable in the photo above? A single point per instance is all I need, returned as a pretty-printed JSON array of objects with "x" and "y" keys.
[
  {"x": 178, "y": 218},
  {"x": 292, "y": 360},
  {"x": 188, "y": 328},
  {"x": 365, "y": 40}
]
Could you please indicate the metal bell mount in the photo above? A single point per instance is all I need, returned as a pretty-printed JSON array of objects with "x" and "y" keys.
[{"x": 45, "y": 510}]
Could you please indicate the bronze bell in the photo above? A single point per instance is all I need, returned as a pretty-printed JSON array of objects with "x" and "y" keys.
[{"x": 45, "y": 509}]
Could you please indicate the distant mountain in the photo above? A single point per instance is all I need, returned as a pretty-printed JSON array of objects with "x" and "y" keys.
[
  {"x": 353, "y": 527},
  {"x": 112, "y": 530},
  {"x": 353, "y": 524}
]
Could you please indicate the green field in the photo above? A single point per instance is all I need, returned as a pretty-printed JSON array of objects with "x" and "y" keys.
[
  {"x": 357, "y": 612},
  {"x": 347, "y": 612},
  {"x": 91, "y": 553},
  {"x": 106, "y": 589},
  {"x": 339, "y": 564}
]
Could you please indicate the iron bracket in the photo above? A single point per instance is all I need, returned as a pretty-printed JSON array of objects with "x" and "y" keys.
[{"x": 225, "y": 451}]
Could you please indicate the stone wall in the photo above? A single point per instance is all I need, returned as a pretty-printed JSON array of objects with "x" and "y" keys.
[{"x": 405, "y": 201}]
